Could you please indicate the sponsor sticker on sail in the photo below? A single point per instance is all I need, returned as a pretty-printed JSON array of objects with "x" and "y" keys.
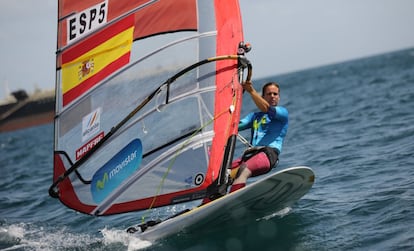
[
  {"x": 89, "y": 145},
  {"x": 93, "y": 59},
  {"x": 116, "y": 170},
  {"x": 91, "y": 124}
]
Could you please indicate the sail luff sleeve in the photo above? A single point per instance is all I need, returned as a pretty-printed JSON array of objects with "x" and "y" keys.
[{"x": 229, "y": 35}]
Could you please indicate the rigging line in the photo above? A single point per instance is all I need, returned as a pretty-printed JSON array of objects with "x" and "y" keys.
[
  {"x": 52, "y": 189},
  {"x": 175, "y": 157},
  {"x": 232, "y": 108},
  {"x": 244, "y": 140}
]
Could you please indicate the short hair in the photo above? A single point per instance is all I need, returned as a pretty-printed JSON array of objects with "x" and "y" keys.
[{"x": 269, "y": 84}]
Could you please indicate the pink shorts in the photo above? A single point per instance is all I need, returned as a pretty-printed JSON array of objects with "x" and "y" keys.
[{"x": 258, "y": 164}]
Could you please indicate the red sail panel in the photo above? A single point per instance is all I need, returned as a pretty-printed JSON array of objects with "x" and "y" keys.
[
  {"x": 229, "y": 35},
  {"x": 151, "y": 17},
  {"x": 67, "y": 194}
]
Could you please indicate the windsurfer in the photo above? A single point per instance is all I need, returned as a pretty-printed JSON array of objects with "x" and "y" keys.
[{"x": 268, "y": 129}]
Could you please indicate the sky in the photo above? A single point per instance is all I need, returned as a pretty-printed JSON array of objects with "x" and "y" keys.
[{"x": 286, "y": 36}]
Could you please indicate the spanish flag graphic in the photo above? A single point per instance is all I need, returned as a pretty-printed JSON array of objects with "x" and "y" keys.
[{"x": 90, "y": 61}]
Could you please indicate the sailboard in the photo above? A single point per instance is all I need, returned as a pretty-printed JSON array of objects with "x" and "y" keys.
[
  {"x": 260, "y": 200},
  {"x": 148, "y": 100}
]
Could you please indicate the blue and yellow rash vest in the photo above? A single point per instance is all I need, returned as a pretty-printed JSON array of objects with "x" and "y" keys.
[{"x": 267, "y": 129}]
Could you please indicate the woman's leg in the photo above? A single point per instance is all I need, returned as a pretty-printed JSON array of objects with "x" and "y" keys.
[{"x": 256, "y": 165}]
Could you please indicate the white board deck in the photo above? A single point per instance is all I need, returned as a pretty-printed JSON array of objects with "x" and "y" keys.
[{"x": 259, "y": 199}]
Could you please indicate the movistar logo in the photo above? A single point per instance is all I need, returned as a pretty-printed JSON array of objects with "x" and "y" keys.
[
  {"x": 100, "y": 184},
  {"x": 118, "y": 169},
  {"x": 123, "y": 164}
]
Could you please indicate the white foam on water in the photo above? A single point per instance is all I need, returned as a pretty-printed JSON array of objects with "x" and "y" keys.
[
  {"x": 14, "y": 231},
  {"x": 31, "y": 237},
  {"x": 23, "y": 236},
  {"x": 12, "y": 236},
  {"x": 130, "y": 240},
  {"x": 281, "y": 213}
]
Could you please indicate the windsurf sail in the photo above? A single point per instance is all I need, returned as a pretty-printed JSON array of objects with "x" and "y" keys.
[{"x": 148, "y": 100}]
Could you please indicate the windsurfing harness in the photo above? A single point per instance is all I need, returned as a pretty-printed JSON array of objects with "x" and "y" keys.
[
  {"x": 271, "y": 153},
  {"x": 259, "y": 160}
]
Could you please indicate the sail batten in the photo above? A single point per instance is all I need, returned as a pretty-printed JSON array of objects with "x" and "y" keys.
[{"x": 148, "y": 101}]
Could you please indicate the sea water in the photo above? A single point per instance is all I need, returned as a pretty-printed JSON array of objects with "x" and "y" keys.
[{"x": 352, "y": 123}]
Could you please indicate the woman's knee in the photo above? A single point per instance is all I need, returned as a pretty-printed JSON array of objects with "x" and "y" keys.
[{"x": 258, "y": 164}]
